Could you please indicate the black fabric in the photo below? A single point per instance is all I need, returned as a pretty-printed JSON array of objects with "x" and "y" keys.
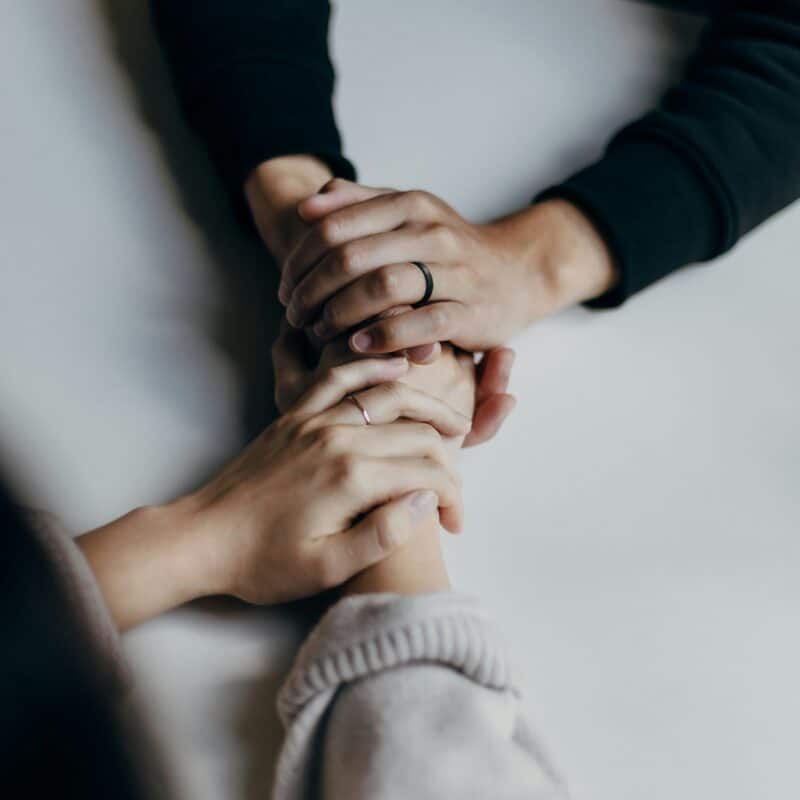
[
  {"x": 60, "y": 735},
  {"x": 254, "y": 79},
  {"x": 718, "y": 156}
]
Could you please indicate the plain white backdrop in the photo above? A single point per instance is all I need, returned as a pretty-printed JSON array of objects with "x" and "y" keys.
[{"x": 635, "y": 525}]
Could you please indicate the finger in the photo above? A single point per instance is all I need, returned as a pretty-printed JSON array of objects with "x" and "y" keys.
[
  {"x": 372, "y": 294},
  {"x": 347, "y": 262},
  {"x": 370, "y": 482},
  {"x": 377, "y": 536},
  {"x": 438, "y": 322},
  {"x": 338, "y": 382},
  {"x": 393, "y": 400},
  {"x": 291, "y": 367},
  {"x": 335, "y": 194},
  {"x": 395, "y": 440},
  {"x": 489, "y": 417},
  {"x": 381, "y": 213},
  {"x": 494, "y": 372}
]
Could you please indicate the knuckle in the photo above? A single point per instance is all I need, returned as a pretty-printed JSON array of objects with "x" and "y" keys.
[
  {"x": 384, "y": 283},
  {"x": 333, "y": 376},
  {"x": 348, "y": 471},
  {"x": 329, "y": 230},
  {"x": 438, "y": 318},
  {"x": 443, "y": 238},
  {"x": 332, "y": 439},
  {"x": 347, "y": 260},
  {"x": 420, "y": 202}
]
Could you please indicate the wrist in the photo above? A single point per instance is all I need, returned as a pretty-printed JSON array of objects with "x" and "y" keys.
[
  {"x": 149, "y": 561},
  {"x": 562, "y": 257},
  {"x": 416, "y": 568},
  {"x": 273, "y": 190}
]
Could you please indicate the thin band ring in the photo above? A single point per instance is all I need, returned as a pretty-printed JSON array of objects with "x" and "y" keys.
[
  {"x": 360, "y": 407},
  {"x": 426, "y": 273}
]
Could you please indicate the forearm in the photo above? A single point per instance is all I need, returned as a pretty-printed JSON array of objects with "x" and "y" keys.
[
  {"x": 561, "y": 257},
  {"x": 150, "y": 561}
]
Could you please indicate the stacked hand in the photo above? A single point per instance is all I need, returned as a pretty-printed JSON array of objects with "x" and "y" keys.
[
  {"x": 287, "y": 212},
  {"x": 490, "y": 281},
  {"x": 318, "y": 497}
]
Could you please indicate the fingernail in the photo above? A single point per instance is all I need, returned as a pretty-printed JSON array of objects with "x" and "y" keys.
[
  {"x": 284, "y": 295},
  {"x": 422, "y": 503},
  {"x": 361, "y": 341},
  {"x": 292, "y": 317}
]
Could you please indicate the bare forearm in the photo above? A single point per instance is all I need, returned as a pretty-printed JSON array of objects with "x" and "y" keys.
[
  {"x": 563, "y": 259},
  {"x": 149, "y": 561}
]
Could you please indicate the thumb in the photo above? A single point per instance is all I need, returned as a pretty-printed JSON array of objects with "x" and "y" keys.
[
  {"x": 380, "y": 533},
  {"x": 335, "y": 194}
]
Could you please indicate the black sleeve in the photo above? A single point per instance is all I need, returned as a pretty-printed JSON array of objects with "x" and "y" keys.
[
  {"x": 254, "y": 79},
  {"x": 719, "y": 155}
]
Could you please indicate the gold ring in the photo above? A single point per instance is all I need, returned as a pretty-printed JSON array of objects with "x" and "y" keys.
[{"x": 360, "y": 407}]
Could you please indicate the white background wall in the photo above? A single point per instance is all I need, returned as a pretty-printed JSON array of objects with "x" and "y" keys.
[{"x": 636, "y": 524}]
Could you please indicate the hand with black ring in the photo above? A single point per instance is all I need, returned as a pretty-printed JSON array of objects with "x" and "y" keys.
[{"x": 490, "y": 281}]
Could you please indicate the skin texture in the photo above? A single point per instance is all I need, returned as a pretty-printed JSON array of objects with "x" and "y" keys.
[
  {"x": 317, "y": 498},
  {"x": 491, "y": 280}
]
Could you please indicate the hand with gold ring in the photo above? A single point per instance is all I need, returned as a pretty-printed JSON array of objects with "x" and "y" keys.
[
  {"x": 297, "y": 365},
  {"x": 320, "y": 495}
]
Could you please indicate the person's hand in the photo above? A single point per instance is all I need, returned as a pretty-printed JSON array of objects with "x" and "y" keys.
[
  {"x": 315, "y": 499},
  {"x": 490, "y": 280},
  {"x": 276, "y": 189},
  {"x": 289, "y": 507},
  {"x": 297, "y": 365}
]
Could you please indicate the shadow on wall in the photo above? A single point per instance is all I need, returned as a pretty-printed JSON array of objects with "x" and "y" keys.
[{"x": 249, "y": 322}]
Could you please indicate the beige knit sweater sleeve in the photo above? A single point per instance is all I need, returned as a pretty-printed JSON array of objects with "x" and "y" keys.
[{"x": 407, "y": 697}]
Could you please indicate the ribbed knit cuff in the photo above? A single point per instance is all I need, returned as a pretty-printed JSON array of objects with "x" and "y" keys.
[
  {"x": 653, "y": 205},
  {"x": 84, "y": 593},
  {"x": 367, "y": 634}
]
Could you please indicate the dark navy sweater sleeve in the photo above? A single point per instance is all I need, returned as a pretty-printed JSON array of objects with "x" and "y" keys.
[
  {"x": 254, "y": 79},
  {"x": 719, "y": 155}
]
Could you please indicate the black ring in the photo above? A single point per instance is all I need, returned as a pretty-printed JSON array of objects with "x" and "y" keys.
[{"x": 423, "y": 268}]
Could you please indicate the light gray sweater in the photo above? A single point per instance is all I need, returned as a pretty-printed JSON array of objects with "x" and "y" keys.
[{"x": 389, "y": 698}]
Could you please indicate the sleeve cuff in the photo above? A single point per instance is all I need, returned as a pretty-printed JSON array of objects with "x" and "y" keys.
[
  {"x": 364, "y": 635},
  {"x": 653, "y": 206}
]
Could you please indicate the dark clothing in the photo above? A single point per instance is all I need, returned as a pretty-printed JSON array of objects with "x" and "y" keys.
[{"x": 682, "y": 184}]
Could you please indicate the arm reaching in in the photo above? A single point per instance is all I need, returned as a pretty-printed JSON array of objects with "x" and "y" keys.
[
  {"x": 405, "y": 689},
  {"x": 315, "y": 499}
]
